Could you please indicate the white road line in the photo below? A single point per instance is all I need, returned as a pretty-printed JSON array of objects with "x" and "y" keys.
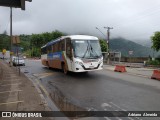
[
  {"x": 11, "y": 102},
  {"x": 117, "y": 106},
  {"x": 107, "y": 118},
  {"x": 43, "y": 75},
  {"x": 11, "y": 91},
  {"x": 105, "y": 105},
  {"x": 11, "y": 80},
  {"x": 118, "y": 118},
  {"x": 10, "y": 84},
  {"x": 121, "y": 109}
]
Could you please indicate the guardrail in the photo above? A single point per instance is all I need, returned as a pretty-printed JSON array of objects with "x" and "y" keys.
[{"x": 138, "y": 65}]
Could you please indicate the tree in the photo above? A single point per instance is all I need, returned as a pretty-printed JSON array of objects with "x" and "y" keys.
[
  {"x": 103, "y": 45},
  {"x": 156, "y": 41},
  {"x": 4, "y": 42},
  {"x": 5, "y": 32}
]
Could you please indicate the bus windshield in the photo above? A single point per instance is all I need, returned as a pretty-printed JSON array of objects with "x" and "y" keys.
[{"x": 86, "y": 49}]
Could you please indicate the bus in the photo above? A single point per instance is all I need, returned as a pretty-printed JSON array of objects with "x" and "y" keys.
[{"x": 75, "y": 53}]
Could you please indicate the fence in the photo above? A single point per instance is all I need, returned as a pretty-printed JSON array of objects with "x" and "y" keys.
[{"x": 134, "y": 59}]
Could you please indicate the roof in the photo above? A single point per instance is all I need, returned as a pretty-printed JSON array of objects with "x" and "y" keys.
[
  {"x": 84, "y": 37},
  {"x": 14, "y": 3},
  {"x": 76, "y": 37}
]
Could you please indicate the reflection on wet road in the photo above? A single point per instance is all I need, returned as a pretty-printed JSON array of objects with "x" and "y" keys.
[{"x": 98, "y": 90}]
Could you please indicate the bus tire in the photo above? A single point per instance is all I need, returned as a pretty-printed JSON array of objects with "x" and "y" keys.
[
  {"x": 48, "y": 65},
  {"x": 64, "y": 68}
]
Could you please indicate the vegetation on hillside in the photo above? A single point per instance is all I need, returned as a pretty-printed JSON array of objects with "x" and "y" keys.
[
  {"x": 124, "y": 46},
  {"x": 4, "y": 41},
  {"x": 31, "y": 44},
  {"x": 156, "y": 41}
]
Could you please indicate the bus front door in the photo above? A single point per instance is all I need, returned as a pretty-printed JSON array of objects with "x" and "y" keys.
[{"x": 69, "y": 54}]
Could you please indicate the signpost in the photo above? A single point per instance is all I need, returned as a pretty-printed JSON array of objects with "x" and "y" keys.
[
  {"x": 130, "y": 53},
  {"x": 16, "y": 4},
  {"x": 4, "y": 52},
  {"x": 16, "y": 41}
]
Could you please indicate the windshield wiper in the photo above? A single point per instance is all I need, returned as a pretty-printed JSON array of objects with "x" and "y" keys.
[
  {"x": 94, "y": 52},
  {"x": 86, "y": 50}
]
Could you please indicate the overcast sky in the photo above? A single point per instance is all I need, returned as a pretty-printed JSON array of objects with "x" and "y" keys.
[{"x": 131, "y": 19}]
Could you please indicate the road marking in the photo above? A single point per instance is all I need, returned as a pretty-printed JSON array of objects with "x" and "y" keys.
[
  {"x": 123, "y": 110},
  {"x": 43, "y": 75},
  {"x": 11, "y": 77},
  {"x": 107, "y": 118},
  {"x": 11, "y": 91},
  {"x": 11, "y": 80},
  {"x": 133, "y": 74},
  {"x": 105, "y": 105},
  {"x": 37, "y": 74},
  {"x": 117, "y": 106},
  {"x": 10, "y": 84},
  {"x": 11, "y": 102},
  {"x": 140, "y": 75},
  {"x": 44, "y": 90},
  {"x": 118, "y": 118}
]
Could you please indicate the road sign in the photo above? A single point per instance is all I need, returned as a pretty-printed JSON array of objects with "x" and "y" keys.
[
  {"x": 11, "y": 53},
  {"x": 4, "y": 51},
  {"x": 130, "y": 52},
  {"x": 15, "y": 39}
]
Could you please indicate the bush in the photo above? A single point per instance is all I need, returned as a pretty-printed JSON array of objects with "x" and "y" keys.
[{"x": 153, "y": 62}]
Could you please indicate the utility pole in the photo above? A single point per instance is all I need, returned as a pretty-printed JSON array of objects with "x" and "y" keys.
[
  {"x": 10, "y": 36},
  {"x": 108, "y": 38}
]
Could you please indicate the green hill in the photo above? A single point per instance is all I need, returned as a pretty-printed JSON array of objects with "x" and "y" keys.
[{"x": 123, "y": 45}]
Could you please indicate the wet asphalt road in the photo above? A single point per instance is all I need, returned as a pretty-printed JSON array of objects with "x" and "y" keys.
[{"x": 100, "y": 90}]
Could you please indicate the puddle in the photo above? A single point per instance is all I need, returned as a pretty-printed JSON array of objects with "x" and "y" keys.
[
  {"x": 66, "y": 106},
  {"x": 70, "y": 110}
]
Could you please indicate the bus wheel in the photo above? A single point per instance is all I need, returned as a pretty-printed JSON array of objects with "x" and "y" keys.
[{"x": 64, "y": 69}]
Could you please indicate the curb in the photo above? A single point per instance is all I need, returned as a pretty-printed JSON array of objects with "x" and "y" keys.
[{"x": 129, "y": 73}]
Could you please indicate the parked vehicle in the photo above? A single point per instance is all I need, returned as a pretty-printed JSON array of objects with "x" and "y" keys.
[{"x": 18, "y": 61}]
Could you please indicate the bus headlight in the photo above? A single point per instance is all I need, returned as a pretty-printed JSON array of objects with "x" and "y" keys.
[{"x": 80, "y": 63}]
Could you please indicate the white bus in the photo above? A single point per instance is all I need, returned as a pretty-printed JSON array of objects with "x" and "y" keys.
[{"x": 75, "y": 53}]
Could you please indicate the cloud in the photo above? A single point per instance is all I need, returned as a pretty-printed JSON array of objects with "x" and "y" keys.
[{"x": 129, "y": 18}]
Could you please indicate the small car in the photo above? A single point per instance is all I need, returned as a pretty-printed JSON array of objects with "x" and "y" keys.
[
  {"x": 18, "y": 61},
  {"x": 24, "y": 57}
]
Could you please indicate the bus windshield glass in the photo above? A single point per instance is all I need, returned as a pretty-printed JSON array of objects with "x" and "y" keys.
[{"x": 86, "y": 49}]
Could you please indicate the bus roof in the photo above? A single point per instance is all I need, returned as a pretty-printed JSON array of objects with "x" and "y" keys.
[
  {"x": 84, "y": 37},
  {"x": 77, "y": 37}
]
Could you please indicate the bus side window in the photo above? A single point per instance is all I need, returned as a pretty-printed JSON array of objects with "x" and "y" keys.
[
  {"x": 68, "y": 48},
  {"x": 53, "y": 46},
  {"x": 47, "y": 50},
  {"x": 62, "y": 45}
]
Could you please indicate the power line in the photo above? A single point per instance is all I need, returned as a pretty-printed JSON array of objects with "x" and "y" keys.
[{"x": 100, "y": 31}]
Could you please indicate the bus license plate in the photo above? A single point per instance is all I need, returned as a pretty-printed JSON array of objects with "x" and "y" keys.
[{"x": 91, "y": 66}]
